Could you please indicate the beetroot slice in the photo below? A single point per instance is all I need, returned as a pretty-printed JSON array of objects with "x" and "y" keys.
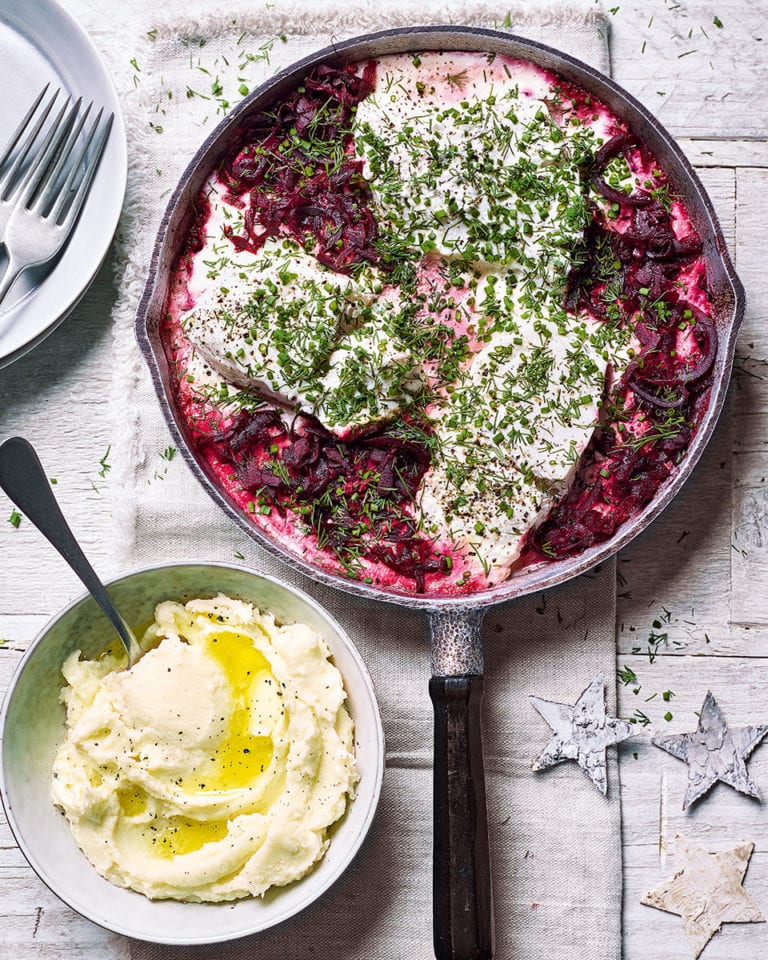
[
  {"x": 290, "y": 168},
  {"x": 353, "y": 494}
]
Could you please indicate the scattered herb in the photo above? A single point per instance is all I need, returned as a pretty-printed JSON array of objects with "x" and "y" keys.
[
  {"x": 639, "y": 717},
  {"x": 627, "y": 675},
  {"x": 15, "y": 518},
  {"x": 106, "y": 466},
  {"x": 457, "y": 79}
]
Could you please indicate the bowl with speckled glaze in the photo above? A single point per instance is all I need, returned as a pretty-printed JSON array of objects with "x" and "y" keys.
[{"x": 32, "y": 726}]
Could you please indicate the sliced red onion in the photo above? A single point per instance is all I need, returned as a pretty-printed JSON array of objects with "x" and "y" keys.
[
  {"x": 612, "y": 148},
  {"x": 685, "y": 374},
  {"x": 618, "y": 196},
  {"x": 656, "y": 401}
]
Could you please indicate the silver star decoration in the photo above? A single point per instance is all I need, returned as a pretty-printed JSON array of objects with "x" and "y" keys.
[
  {"x": 583, "y": 732},
  {"x": 714, "y": 752},
  {"x": 706, "y": 891}
]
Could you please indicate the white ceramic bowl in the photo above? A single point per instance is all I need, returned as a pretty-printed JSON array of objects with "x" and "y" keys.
[{"x": 32, "y": 726}]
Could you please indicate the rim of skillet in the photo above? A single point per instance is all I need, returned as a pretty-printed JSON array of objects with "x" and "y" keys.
[
  {"x": 729, "y": 303},
  {"x": 312, "y": 894}
]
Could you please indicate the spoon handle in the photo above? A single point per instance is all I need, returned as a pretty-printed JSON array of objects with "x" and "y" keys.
[{"x": 23, "y": 478}]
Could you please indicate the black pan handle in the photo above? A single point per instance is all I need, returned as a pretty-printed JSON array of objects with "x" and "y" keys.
[{"x": 462, "y": 893}]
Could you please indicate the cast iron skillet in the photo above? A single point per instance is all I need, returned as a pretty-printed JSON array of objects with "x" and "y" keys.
[{"x": 463, "y": 911}]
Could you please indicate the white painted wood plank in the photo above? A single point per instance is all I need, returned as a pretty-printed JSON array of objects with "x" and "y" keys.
[
  {"x": 751, "y": 197},
  {"x": 750, "y": 387},
  {"x": 719, "y": 152},
  {"x": 11, "y": 858},
  {"x": 720, "y": 184},
  {"x": 9, "y": 660},
  {"x": 750, "y": 468},
  {"x": 698, "y": 639},
  {"x": 749, "y": 558},
  {"x": 17, "y": 629},
  {"x": 37, "y": 924},
  {"x": 698, "y": 79}
]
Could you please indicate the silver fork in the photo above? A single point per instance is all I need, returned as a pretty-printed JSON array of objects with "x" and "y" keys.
[
  {"x": 11, "y": 179},
  {"x": 45, "y": 204},
  {"x": 13, "y": 176}
]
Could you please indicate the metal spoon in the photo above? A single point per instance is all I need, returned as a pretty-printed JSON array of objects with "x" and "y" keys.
[{"x": 22, "y": 477}]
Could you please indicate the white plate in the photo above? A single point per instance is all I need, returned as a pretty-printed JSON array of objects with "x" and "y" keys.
[{"x": 41, "y": 42}]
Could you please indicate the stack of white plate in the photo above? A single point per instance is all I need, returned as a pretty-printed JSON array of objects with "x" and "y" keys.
[{"x": 40, "y": 43}]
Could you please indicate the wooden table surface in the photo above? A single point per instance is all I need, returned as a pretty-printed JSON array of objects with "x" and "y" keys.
[{"x": 692, "y": 591}]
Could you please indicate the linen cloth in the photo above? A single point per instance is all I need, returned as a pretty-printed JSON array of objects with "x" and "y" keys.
[{"x": 555, "y": 841}]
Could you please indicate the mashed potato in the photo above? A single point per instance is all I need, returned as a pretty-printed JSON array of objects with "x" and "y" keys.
[{"x": 213, "y": 768}]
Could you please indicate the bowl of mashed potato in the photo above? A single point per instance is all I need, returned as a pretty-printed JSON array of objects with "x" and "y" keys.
[{"x": 218, "y": 786}]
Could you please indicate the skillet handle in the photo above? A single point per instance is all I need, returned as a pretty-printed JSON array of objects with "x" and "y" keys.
[{"x": 462, "y": 894}]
